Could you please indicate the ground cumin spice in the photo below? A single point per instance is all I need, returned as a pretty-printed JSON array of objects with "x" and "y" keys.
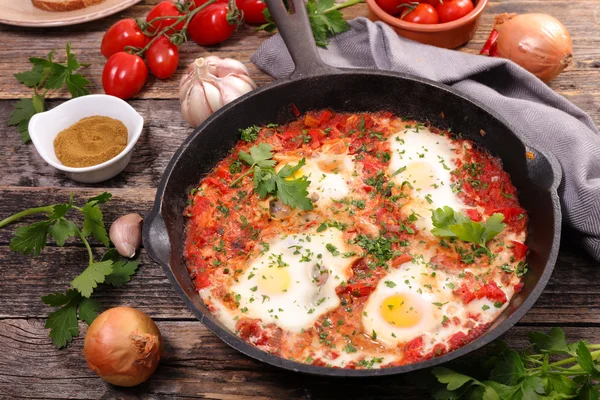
[{"x": 91, "y": 141}]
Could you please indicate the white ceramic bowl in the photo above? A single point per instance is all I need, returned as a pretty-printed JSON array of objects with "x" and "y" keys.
[{"x": 44, "y": 127}]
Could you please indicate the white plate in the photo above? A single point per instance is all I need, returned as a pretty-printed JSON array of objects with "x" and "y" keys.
[{"x": 23, "y": 13}]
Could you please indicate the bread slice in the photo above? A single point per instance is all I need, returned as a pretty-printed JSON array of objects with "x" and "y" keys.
[{"x": 64, "y": 5}]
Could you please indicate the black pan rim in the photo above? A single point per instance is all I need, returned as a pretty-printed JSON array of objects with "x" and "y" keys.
[{"x": 488, "y": 336}]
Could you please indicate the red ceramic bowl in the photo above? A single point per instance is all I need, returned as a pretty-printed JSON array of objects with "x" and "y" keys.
[{"x": 448, "y": 35}]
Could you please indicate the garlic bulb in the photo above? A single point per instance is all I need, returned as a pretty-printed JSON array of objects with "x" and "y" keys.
[
  {"x": 126, "y": 234},
  {"x": 209, "y": 84}
]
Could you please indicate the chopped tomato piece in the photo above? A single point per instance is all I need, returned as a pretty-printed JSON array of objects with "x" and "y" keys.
[
  {"x": 491, "y": 291},
  {"x": 359, "y": 289},
  {"x": 311, "y": 121},
  {"x": 325, "y": 116},
  {"x": 458, "y": 339},
  {"x": 473, "y": 214},
  {"x": 401, "y": 259},
  {"x": 519, "y": 250},
  {"x": 464, "y": 293}
]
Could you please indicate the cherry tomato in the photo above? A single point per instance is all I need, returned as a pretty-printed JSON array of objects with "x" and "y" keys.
[
  {"x": 392, "y": 7},
  {"x": 198, "y": 3},
  {"x": 125, "y": 32},
  {"x": 210, "y": 26},
  {"x": 253, "y": 10},
  {"x": 163, "y": 58},
  {"x": 165, "y": 9},
  {"x": 451, "y": 10},
  {"x": 422, "y": 14},
  {"x": 434, "y": 3},
  {"x": 124, "y": 75}
]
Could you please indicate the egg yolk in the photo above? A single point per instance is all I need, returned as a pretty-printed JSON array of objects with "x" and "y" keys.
[
  {"x": 274, "y": 280},
  {"x": 420, "y": 174},
  {"x": 398, "y": 310}
]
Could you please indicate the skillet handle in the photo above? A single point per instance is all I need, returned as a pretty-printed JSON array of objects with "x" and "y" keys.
[
  {"x": 297, "y": 35},
  {"x": 156, "y": 238}
]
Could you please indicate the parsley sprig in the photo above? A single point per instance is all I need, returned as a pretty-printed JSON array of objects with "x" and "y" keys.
[
  {"x": 549, "y": 369},
  {"x": 292, "y": 192},
  {"x": 46, "y": 75},
  {"x": 450, "y": 223},
  {"x": 75, "y": 303},
  {"x": 324, "y": 16}
]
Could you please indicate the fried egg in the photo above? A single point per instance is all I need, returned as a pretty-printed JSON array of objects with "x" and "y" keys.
[
  {"x": 293, "y": 282},
  {"x": 400, "y": 308},
  {"x": 329, "y": 176},
  {"x": 421, "y": 162}
]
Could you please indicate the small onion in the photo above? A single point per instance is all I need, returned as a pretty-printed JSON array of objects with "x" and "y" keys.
[
  {"x": 126, "y": 234},
  {"x": 537, "y": 42},
  {"x": 123, "y": 346}
]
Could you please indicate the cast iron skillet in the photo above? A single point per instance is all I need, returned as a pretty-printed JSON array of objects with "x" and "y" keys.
[{"x": 313, "y": 86}]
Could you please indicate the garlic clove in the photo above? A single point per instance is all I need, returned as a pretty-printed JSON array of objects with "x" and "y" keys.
[
  {"x": 233, "y": 87},
  {"x": 126, "y": 234},
  {"x": 228, "y": 66},
  {"x": 213, "y": 96}
]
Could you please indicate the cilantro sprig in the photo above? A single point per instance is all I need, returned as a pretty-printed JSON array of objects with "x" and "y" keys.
[
  {"x": 46, "y": 75},
  {"x": 75, "y": 303},
  {"x": 324, "y": 16},
  {"x": 550, "y": 368},
  {"x": 292, "y": 192},
  {"x": 450, "y": 223}
]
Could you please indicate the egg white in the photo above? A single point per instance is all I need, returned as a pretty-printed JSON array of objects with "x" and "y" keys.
[
  {"x": 423, "y": 160},
  {"x": 285, "y": 284}
]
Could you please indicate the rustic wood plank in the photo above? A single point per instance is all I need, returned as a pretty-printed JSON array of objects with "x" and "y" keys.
[{"x": 196, "y": 364}]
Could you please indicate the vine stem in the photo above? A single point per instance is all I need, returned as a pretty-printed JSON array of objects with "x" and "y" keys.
[
  {"x": 186, "y": 17},
  {"x": 25, "y": 213}
]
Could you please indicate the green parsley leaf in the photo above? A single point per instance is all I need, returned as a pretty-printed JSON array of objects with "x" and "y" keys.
[
  {"x": 63, "y": 323},
  {"x": 324, "y": 16},
  {"x": 93, "y": 223},
  {"x": 122, "y": 271},
  {"x": 24, "y": 110},
  {"x": 250, "y": 134},
  {"x": 31, "y": 239},
  {"x": 45, "y": 75},
  {"x": 89, "y": 279},
  {"x": 88, "y": 310},
  {"x": 292, "y": 192},
  {"x": 63, "y": 229},
  {"x": 452, "y": 379},
  {"x": 450, "y": 223}
]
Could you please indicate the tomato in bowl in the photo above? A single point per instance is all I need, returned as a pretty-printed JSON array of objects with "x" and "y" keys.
[{"x": 447, "y": 32}]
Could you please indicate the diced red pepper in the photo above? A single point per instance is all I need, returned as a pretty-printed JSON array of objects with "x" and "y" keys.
[{"x": 492, "y": 292}]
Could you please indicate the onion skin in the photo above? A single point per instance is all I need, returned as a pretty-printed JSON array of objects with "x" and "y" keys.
[
  {"x": 123, "y": 346},
  {"x": 537, "y": 42}
]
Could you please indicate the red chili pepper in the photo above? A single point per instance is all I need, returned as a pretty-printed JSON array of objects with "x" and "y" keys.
[
  {"x": 490, "y": 48},
  {"x": 295, "y": 110}
]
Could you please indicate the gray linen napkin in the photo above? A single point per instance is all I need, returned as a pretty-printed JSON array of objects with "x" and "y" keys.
[{"x": 544, "y": 117}]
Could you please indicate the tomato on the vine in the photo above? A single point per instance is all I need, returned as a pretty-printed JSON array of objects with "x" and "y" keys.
[
  {"x": 253, "y": 10},
  {"x": 212, "y": 25},
  {"x": 421, "y": 14},
  {"x": 124, "y": 75},
  {"x": 198, "y": 3},
  {"x": 125, "y": 32},
  {"x": 434, "y": 3},
  {"x": 165, "y": 9},
  {"x": 392, "y": 7},
  {"x": 162, "y": 58},
  {"x": 451, "y": 10}
]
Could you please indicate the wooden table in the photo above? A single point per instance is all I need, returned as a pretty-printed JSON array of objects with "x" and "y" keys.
[{"x": 197, "y": 364}]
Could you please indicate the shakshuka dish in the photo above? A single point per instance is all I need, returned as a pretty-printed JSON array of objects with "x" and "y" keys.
[{"x": 356, "y": 240}]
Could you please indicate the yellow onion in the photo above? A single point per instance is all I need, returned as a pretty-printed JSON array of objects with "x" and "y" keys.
[
  {"x": 123, "y": 346},
  {"x": 537, "y": 42}
]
